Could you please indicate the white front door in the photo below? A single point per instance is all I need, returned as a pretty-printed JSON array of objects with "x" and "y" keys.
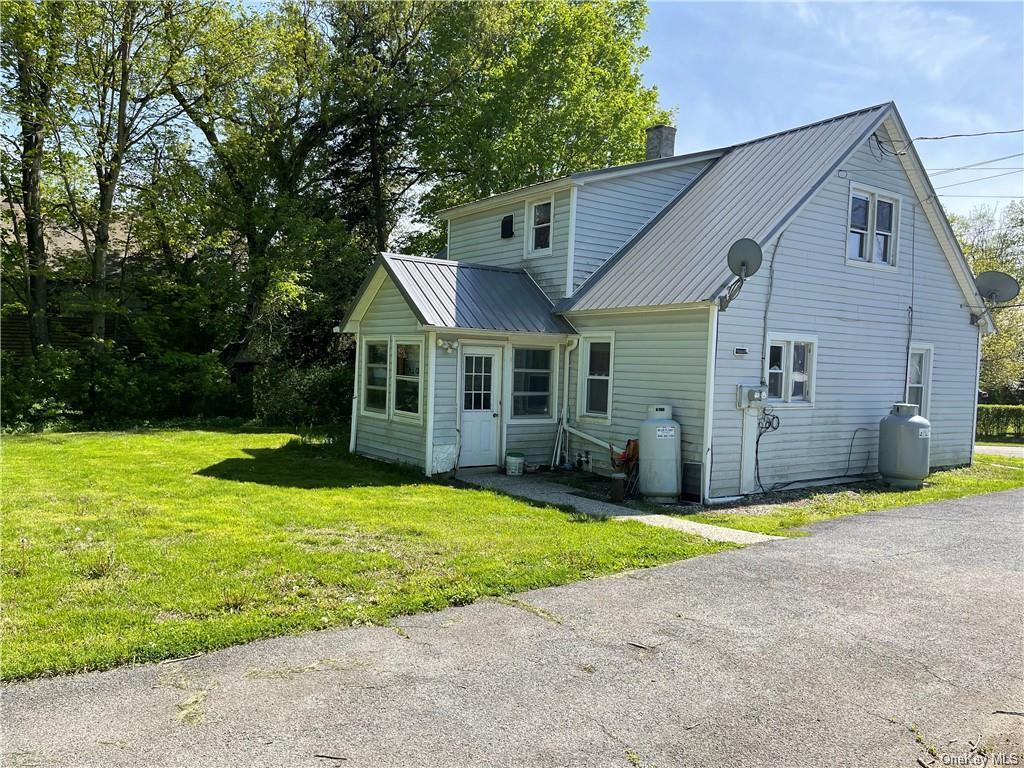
[{"x": 481, "y": 379}]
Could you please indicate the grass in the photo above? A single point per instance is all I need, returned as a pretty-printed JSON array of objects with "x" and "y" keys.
[
  {"x": 988, "y": 474},
  {"x": 141, "y": 546}
]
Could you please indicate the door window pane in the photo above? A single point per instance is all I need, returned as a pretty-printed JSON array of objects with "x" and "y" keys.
[{"x": 477, "y": 380}]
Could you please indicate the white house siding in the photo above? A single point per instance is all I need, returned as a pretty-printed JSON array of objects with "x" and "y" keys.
[
  {"x": 400, "y": 441},
  {"x": 659, "y": 357},
  {"x": 859, "y": 316},
  {"x": 534, "y": 440},
  {"x": 610, "y": 212},
  {"x": 476, "y": 239}
]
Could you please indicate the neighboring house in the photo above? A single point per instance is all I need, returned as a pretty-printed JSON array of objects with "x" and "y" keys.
[{"x": 596, "y": 295}]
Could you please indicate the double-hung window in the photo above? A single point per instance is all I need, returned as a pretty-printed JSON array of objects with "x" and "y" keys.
[
  {"x": 531, "y": 382},
  {"x": 789, "y": 369},
  {"x": 541, "y": 215},
  {"x": 375, "y": 376},
  {"x": 408, "y": 359},
  {"x": 919, "y": 376},
  {"x": 596, "y": 365},
  {"x": 871, "y": 235}
]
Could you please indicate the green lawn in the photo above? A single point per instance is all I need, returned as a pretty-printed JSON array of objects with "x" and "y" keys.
[
  {"x": 989, "y": 474},
  {"x": 130, "y": 547}
]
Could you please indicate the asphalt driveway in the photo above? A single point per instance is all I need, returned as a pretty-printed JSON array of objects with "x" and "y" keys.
[{"x": 877, "y": 638}]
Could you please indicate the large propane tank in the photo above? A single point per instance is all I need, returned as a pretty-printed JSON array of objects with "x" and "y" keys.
[
  {"x": 661, "y": 468},
  {"x": 904, "y": 446}
]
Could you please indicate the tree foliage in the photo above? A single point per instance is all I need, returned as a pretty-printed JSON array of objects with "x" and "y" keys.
[
  {"x": 212, "y": 181},
  {"x": 993, "y": 239}
]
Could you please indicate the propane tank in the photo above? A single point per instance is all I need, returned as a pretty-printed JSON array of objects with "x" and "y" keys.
[
  {"x": 904, "y": 446},
  {"x": 661, "y": 475}
]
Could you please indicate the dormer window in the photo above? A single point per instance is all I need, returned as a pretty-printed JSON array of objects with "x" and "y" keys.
[
  {"x": 540, "y": 226},
  {"x": 871, "y": 235}
]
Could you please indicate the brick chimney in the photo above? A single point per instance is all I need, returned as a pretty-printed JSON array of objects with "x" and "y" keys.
[{"x": 661, "y": 141}]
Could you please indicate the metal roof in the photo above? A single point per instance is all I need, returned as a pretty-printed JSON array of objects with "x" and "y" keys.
[
  {"x": 447, "y": 294},
  {"x": 751, "y": 191}
]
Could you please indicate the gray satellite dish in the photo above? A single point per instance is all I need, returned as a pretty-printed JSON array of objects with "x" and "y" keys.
[
  {"x": 744, "y": 257},
  {"x": 997, "y": 287},
  {"x": 744, "y": 260}
]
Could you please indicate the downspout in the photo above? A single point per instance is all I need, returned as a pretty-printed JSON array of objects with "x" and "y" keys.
[
  {"x": 428, "y": 448},
  {"x": 570, "y": 345},
  {"x": 355, "y": 394}
]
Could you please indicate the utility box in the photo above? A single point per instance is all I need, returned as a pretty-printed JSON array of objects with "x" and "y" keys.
[
  {"x": 661, "y": 455},
  {"x": 751, "y": 397}
]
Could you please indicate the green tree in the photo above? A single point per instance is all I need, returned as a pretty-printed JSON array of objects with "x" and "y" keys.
[
  {"x": 994, "y": 240},
  {"x": 34, "y": 42},
  {"x": 556, "y": 88}
]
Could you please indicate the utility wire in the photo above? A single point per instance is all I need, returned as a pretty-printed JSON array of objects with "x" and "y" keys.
[
  {"x": 893, "y": 152},
  {"x": 991, "y": 197},
  {"x": 983, "y": 178},
  {"x": 975, "y": 165}
]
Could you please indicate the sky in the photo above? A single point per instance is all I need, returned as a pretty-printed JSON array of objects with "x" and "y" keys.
[{"x": 735, "y": 71}]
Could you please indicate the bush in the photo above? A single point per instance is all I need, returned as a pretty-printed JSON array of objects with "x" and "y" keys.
[
  {"x": 105, "y": 386},
  {"x": 311, "y": 395},
  {"x": 1000, "y": 420}
]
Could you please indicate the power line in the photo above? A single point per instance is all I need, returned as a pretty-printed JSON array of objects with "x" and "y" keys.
[
  {"x": 981, "y": 162},
  {"x": 965, "y": 135},
  {"x": 993, "y": 197},
  {"x": 983, "y": 178}
]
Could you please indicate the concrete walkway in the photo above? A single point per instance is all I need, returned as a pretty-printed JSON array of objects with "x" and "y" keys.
[
  {"x": 1017, "y": 451},
  {"x": 881, "y": 636},
  {"x": 557, "y": 494}
]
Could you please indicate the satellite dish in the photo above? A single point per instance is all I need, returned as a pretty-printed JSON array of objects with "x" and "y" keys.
[
  {"x": 744, "y": 257},
  {"x": 997, "y": 287}
]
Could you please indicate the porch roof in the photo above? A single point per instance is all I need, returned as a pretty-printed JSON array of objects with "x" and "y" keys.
[{"x": 448, "y": 294}]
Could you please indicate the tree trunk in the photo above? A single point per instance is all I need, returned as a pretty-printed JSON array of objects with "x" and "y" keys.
[
  {"x": 33, "y": 133},
  {"x": 377, "y": 190}
]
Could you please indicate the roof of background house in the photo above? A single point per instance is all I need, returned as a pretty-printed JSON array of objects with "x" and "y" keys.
[
  {"x": 447, "y": 294},
  {"x": 752, "y": 190}
]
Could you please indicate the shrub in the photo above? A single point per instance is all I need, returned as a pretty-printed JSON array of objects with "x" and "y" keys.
[
  {"x": 311, "y": 395},
  {"x": 1000, "y": 420}
]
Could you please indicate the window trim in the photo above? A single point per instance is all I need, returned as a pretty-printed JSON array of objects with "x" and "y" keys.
[
  {"x": 510, "y": 363},
  {"x": 583, "y": 375},
  {"x": 788, "y": 340},
  {"x": 926, "y": 394},
  {"x": 528, "y": 248},
  {"x": 873, "y": 194},
  {"x": 373, "y": 413},
  {"x": 397, "y": 415}
]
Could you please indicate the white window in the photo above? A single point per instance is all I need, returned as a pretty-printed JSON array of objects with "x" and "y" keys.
[
  {"x": 871, "y": 235},
  {"x": 541, "y": 215},
  {"x": 919, "y": 378},
  {"x": 789, "y": 369},
  {"x": 596, "y": 367},
  {"x": 375, "y": 375},
  {"x": 408, "y": 360},
  {"x": 531, "y": 382}
]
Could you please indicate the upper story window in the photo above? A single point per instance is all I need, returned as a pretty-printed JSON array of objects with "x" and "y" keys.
[
  {"x": 540, "y": 226},
  {"x": 871, "y": 236},
  {"x": 789, "y": 369},
  {"x": 531, "y": 382}
]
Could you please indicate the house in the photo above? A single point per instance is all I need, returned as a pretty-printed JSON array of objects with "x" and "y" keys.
[{"x": 596, "y": 295}]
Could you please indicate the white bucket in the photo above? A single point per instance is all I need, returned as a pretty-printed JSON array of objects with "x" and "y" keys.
[{"x": 514, "y": 463}]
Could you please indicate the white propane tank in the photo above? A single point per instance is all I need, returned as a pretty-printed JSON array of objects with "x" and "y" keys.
[
  {"x": 661, "y": 467},
  {"x": 904, "y": 445}
]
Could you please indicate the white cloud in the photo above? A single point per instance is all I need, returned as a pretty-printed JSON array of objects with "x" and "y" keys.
[{"x": 912, "y": 39}]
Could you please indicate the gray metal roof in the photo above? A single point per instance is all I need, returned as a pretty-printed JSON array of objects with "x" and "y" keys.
[
  {"x": 751, "y": 191},
  {"x": 447, "y": 294}
]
